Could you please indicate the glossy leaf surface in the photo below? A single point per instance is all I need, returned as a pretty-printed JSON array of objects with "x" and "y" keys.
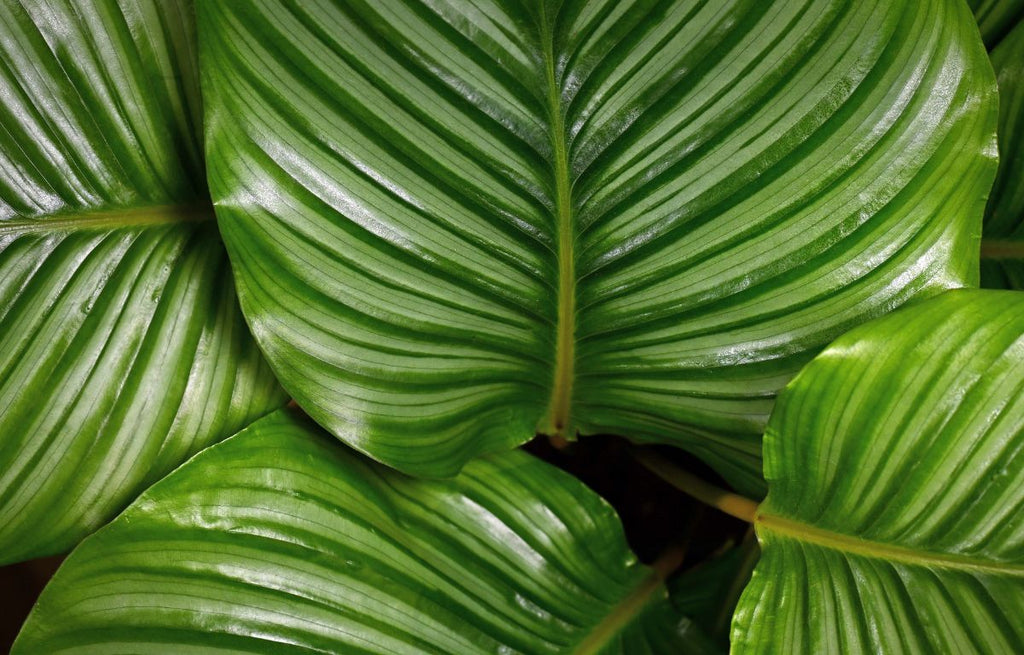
[
  {"x": 895, "y": 465},
  {"x": 122, "y": 348},
  {"x": 280, "y": 540},
  {"x": 1003, "y": 246},
  {"x": 457, "y": 224}
]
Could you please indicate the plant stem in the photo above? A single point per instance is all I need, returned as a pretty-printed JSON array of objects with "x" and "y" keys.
[
  {"x": 558, "y": 442},
  {"x": 111, "y": 219},
  {"x": 1001, "y": 249},
  {"x": 565, "y": 343},
  {"x": 732, "y": 504},
  {"x": 633, "y": 604},
  {"x": 669, "y": 561}
]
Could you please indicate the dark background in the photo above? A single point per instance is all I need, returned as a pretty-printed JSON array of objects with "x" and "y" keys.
[{"x": 20, "y": 585}]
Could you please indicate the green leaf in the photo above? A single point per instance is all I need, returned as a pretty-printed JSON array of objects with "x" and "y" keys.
[
  {"x": 1002, "y": 250},
  {"x": 895, "y": 464},
  {"x": 122, "y": 348},
  {"x": 279, "y": 540},
  {"x": 455, "y": 225},
  {"x": 996, "y": 18},
  {"x": 708, "y": 593}
]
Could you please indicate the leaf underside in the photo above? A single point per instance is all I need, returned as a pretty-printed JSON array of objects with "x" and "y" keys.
[
  {"x": 122, "y": 348},
  {"x": 278, "y": 540},
  {"x": 455, "y": 226},
  {"x": 894, "y": 521}
]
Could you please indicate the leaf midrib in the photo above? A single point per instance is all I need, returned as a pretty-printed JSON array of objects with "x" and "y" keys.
[
  {"x": 807, "y": 533},
  {"x": 110, "y": 219},
  {"x": 620, "y": 616},
  {"x": 565, "y": 341}
]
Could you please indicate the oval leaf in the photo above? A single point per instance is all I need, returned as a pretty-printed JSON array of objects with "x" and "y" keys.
[
  {"x": 122, "y": 349},
  {"x": 279, "y": 540},
  {"x": 895, "y": 464},
  {"x": 457, "y": 224}
]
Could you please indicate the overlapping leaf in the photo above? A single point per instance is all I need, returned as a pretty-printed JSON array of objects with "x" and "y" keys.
[
  {"x": 996, "y": 18},
  {"x": 122, "y": 349},
  {"x": 1003, "y": 245},
  {"x": 894, "y": 521},
  {"x": 708, "y": 593},
  {"x": 280, "y": 540},
  {"x": 457, "y": 224}
]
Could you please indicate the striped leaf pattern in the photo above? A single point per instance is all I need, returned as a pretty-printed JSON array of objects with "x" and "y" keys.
[
  {"x": 279, "y": 540},
  {"x": 122, "y": 347},
  {"x": 455, "y": 225},
  {"x": 1002, "y": 250},
  {"x": 894, "y": 521}
]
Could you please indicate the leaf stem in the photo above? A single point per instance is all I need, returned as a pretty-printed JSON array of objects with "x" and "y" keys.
[
  {"x": 1000, "y": 249},
  {"x": 110, "y": 219},
  {"x": 565, "y": 341},
  {"x": 632, "y": 605},
  {"x": 558, "y": 442},
  {"x": 846, "y": 543},
  {"x": 732, "y": 504}
]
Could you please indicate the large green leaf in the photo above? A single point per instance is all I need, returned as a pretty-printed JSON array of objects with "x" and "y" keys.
[
  {"x": 280, "y": 540},
  {"x": 894, "y": 521},
  {"x": 122, "y": 349},
  {"x": 457, "y": 224},
  {"x": 1003, "y": 247}
]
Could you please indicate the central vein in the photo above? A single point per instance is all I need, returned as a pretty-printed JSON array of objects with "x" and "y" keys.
[
  {"x": 110, "y": 219},
  {"x": 627, "y": 611},
  {"x": 561, "y": 395},
  {"x": 889, "y": 552}
]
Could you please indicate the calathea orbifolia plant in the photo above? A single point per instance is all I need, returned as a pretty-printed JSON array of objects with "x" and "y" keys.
[
  {"x": 454, "y": 226},
  {"x": 893, "y": 525}
]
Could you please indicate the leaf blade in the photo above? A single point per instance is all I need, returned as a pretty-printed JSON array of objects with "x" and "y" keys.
[
  {"x": 122, "y": 349},
  {"x": 398, "y": 167},
  {"x": 894, "y": 463},
  {"x": 277, "y": 539}
]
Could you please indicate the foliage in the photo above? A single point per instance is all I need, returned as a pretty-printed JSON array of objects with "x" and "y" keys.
[
  {"x": 456, "y": 226},
  {"x": 122, "y": 348},
  {"x": 896, "y": 467},
  {"x": 1003, "y": 251},
  {"x": 613, "y": 220},
  {"x": 277, "y": 536}
]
